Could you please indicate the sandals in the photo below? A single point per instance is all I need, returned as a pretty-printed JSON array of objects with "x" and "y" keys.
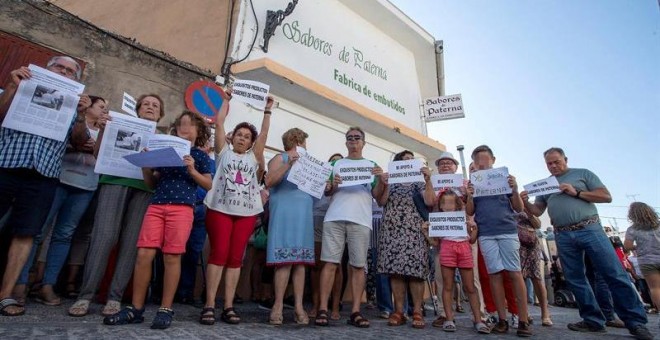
[
  {"x": 9, "y": 303},
  {"x": 301, "y": 319},
  {"x": 439, "y": 322},
  {"x": 546, "y": 322},
  {"x": 208, "y": 316},
  {"x": 80, "y": 308},
  {"x": 481, "y": 328},
  {"x": 275, "y": 319},
  {"x": 321, "y": 318},
  {"x": 358, "y": 320},
  {"x": 128, "y": 315},
  {"x": 48, "y": 297},
  {"x": 230, "y": 316},
  {"x": 418, "y": 320},
  {"x": 111, "y": 307},
  {"x": 449, "y": 326},
  {"x": 396, "y": 319},
  {"x": 163, "y": 318}
]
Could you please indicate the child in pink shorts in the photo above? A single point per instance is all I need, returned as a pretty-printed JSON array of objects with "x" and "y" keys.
[
  {"x": 456, "y": 252},
  {"x": 168, "y": 221}
]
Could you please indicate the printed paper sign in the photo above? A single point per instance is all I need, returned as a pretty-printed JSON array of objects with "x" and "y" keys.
[
  {"x": 354, "y": 172},
  {"x": 405, "y": 171},
  {"x": 443, "y": 108},
  {"x": 180, "y": 145},
  {"x": 448, "y": 181},
  {"x": 128, "y": 104},
  {"x": 124, "y": 135},
  {"x": 491, "y": 182},
  {"x": 543, "y": 187},
  {"x": 44, "y": 105},
  {"x": 251, "y": 92},
  {"x": 310, "y": 174},
  {"x": 444, "y": 224}
]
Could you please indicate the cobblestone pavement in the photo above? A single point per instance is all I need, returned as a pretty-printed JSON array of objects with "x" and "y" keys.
[{"x": 42, "y": 322}]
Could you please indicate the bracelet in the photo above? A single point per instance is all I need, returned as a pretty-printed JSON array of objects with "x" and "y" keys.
[
  {"x": 577, "y": 195},
  {"x": 267, "y": 112}
]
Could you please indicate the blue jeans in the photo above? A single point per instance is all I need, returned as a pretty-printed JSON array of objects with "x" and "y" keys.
[
  {"x": 601, "y": 291},
  {"x": 69, "y": 205},
  {"x": 592, "y": 241},
  {"x": 194, "y": 248},
  {"x": 530, "y": 290}
]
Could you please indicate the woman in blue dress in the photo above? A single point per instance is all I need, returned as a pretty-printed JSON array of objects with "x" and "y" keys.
[{"x": 291, "y": 228}]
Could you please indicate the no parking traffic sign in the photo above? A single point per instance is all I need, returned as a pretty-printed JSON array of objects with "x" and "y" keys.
[{"x": 204, "y": 97}]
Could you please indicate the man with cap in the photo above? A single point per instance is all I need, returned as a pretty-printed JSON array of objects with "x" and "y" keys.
[{"x": 448, "y": 165}]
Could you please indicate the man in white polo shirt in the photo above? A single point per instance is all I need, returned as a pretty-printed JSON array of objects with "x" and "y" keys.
[{"x": 348, "y": 221}]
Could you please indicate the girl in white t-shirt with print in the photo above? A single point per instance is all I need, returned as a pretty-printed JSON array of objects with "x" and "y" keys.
[{"x": 233, "y": 205}]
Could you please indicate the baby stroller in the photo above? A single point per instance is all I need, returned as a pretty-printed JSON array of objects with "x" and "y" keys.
[{"x": 563, "y": 296}]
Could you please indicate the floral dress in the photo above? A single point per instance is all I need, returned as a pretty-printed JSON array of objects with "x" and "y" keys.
[
  {"x": 402, "y": 247},
  {"x": 530, "y": 256}
]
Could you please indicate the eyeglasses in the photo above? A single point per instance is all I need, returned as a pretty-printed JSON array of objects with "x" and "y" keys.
[
  {"x": 67, "y": 70},
  {"x": 353, "y": 137},
  {"x": 445, "y": 163}
]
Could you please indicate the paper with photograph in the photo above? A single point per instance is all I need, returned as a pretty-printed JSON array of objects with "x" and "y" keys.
[
  {"x": 44, "y": 105},
  {"x": 123, "y": 135}
]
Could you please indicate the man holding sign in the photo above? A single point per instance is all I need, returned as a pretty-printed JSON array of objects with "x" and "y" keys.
[
  {"x": 578, "y": 232},
  {"x": 494, "y": 212},
  {"x": 30, "y": 165},
  {"x": 348, "y": 221}
]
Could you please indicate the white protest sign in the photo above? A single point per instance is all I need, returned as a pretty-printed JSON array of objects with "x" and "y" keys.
[
  {"x": 44, "y": 105},
  {"x": 543, "y": 187},
  {"x": 128, "y": 104},
  {"x": 251, "y": 92},
  {"x": 447, "y": 224},
  {"x": 405, "y": 171},
  {"x": 310, "y": 174},
  {"x": 354, "y": 172},
  {"x": 444, "y": 108},
  {"x": 450, "y": 181},
  {"x": 491, "y": 182}
]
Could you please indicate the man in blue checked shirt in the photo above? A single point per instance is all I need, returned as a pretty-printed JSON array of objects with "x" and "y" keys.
[{"x": 29, "y": 169}]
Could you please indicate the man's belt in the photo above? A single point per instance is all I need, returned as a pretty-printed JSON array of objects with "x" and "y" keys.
[{"x": 580, "y": 225}]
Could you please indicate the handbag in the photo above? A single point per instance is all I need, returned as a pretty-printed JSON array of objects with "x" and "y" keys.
[
  {"x": 527, "y": 236},
  {"x": 260, "y": 238}
]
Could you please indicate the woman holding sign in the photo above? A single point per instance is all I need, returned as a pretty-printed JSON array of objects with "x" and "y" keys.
[
  {"x": 233, "y": 204},
  {"x": 291, "y": 227},
  {"x": 403, "y": 251}
]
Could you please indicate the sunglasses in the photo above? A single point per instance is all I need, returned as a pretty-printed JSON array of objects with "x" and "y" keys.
[{"x": 353, "y": 138}]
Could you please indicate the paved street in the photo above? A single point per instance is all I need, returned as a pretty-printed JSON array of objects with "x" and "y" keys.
[{"x": 42, "y": 322}]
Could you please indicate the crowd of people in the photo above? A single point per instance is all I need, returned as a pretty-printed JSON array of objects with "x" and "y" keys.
[{"x": 56, "y": 208}]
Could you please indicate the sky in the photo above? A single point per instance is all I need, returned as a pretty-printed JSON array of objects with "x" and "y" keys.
[{"x": 580, "y": 75}]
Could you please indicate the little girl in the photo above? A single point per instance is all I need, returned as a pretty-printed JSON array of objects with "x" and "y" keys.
[
  {"x": 168, "y": 222},
  {"x": 456, "y": 252}
]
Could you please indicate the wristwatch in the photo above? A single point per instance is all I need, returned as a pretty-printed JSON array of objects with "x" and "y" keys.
[{"x": 577, "y": 195}]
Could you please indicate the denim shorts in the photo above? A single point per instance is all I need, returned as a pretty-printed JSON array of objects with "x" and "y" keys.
[{"x": 501, "y": 252}]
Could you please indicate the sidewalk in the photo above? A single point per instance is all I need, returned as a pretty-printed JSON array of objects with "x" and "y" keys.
[{"x": 43, "y": 322}]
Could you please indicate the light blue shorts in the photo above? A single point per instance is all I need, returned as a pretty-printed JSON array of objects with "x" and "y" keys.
[{"x": 501, "y": 252}]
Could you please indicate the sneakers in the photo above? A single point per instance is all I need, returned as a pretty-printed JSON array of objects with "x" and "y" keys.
[
  {"x": 501, "y": 327},
  {"x": 640, "y": 332},
  {"x": 616, "y": 323},
  {"x": 585, "y": 327},
  {"x": 514, "y": 321},
  {"x": 266, "y": 304},
  {"x": 523, "y": 330}
]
